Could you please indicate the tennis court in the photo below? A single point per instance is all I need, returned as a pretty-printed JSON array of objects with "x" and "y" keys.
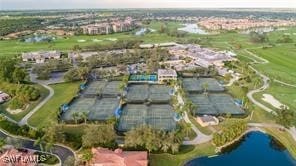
[
  {"x": 159, "y": 93},
  {"x": 79, "y": 106},
  {"x": 140, "y": 77},
  {"x": 199, "y": 84},
  {"x": 137, "y": 93},
  {"x": 158, "y": 116},
  {"x": 103, "y": 109},
  {"x": 111, "y": 89},
  {"x": 215, "y": 104},
  {"x": 94, "y": 88}
]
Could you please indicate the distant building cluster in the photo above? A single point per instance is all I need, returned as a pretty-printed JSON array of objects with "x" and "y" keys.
[
  {"x": 242, "y": 24},
  {"x": 203, "y": 57},
  {"x": 108, "y": 28},
  {"x": 40, "y": 56}
]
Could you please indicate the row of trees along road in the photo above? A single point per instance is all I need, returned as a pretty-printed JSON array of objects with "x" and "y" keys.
[{"x": 13, "y": 80}]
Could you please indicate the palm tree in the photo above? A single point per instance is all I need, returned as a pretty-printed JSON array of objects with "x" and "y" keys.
[
  {"x": 187, "y": 128},
  {"x": 205, "y": 87},
  {"x": 2, "y": 143},
  {"x": 48, "y": 147},
  {"x": 39, "y": 142},
  {"x": 83, "y": 115},
  {"x": 75, "y": 116}
]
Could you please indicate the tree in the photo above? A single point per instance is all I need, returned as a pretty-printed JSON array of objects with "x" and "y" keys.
[
  {"x": 70, "y": 161},
  {"x": 87, "y": 156},
  {"x": 2, "y": 143},
  {"x": 75, "y": 117},
  {"x": 187, "y": 128},
  {"x": 84, "y": 116},
  {"x": 7, "y": 67},
  {"x": 19, "y": 75},
  {"x": 205, "y": 87},
  {"x": 152, "y": 140},
  {"x": 286, "y": 117},
  {"x": 256, "y": 37},
  {"x": 98, "y": 136}
]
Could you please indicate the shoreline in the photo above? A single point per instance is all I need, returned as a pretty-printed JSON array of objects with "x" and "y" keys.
[{"x": 249, "y": 130}]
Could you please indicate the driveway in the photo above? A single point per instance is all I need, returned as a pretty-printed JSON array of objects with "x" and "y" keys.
[{"x": 61, "y": 151}]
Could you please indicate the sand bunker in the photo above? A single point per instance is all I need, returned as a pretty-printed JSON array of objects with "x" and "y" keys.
[
  {"x": 14, "y": 111},
  {"x": 111, "y": 39},
  {"x": 96, "y": 40},
  {"x": 272, "y": 101}
]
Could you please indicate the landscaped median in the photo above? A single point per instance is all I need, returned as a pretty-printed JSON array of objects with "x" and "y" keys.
[{"x": 63, "y": 93}]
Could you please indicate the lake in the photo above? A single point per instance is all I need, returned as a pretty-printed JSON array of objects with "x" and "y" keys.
[
  {"x": 254, "y": 149},
  {"x": 193, "y": 28}
]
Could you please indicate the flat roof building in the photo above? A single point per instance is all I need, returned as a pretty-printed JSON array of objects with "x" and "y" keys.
[
  {"x": 166, "y": 75},
  {"x": 40, "y": 56}
]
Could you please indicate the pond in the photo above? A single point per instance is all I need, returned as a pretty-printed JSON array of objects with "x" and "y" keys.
[
  {"x": 254, "y": 149},
  {"x": 193, "y": 28},
  {"x": 144, "y": 31}
]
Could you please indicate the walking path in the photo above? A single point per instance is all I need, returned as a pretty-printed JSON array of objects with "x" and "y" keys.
[
  {"x": 24, "y": 121},
  {"x": 61, "y": 151},
  {"x": 200, "y": 137}
]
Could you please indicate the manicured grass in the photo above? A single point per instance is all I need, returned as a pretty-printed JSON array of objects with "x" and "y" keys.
[
  {"x": 63, "y": 93},
  {"x": 283, "y": 93},
  {"x": 204, "y": 130},
  {"x": 259, "y": 115},
  {"x": 17, "y": 117},
  {"x": 285, "y": 138},
  {"x": 282, "y": 62},
  {"x": 186, "y": 153}
]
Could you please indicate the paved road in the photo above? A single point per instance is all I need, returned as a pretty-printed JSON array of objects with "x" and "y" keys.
[
  {"x": 200, "y": 137},
  {"x": 291, "y": 131},
  {"x": 265, "y": 86},
  {"x": 25, "y": 119},
  {"x": 61, "y": 151}
]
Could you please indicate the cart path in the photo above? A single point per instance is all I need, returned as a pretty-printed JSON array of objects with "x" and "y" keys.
[
  {"x": 24, "y": 120},
  {"x": 61, "y": 151}
]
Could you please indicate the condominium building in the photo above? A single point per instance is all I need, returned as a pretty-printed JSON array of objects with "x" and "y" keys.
[
  {"x": 107, "y": 28},
  {"x": 166, "y": 75},
  {"x": 40, "y": 56}
]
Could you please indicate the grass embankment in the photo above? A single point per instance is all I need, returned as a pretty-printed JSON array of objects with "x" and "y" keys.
[
  {"x": 17, "y": 117},
  {"x": 285, "y": 138},
  {"x": 186, "y": 153},
  {"x": 63, "y": 93},
  {"x": 204, "y": 130}
]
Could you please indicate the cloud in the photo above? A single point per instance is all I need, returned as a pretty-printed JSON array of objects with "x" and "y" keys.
[{"x": 66, "y": 4}]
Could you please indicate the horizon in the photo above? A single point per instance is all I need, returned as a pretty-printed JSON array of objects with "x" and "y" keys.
[{"x": 139, "y": 4}]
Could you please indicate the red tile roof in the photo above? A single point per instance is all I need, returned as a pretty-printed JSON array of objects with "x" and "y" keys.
[
  {"x": 106, "y": 157},
  {"x": 13, "y": 157}
]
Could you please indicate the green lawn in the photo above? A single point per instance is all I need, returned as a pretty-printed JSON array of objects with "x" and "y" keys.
[
  {"x": 282, "y": 62},
  {"x": 186, "y": 153},
  {"x": 285, "y": 94},
  {"x": 17, "y": 117},
  {"x": 285, "y": 138},
  {"x": 63, "y": 93}
]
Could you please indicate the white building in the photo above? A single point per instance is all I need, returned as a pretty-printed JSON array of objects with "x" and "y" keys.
[
  {"x": 207, "y": 120},
  {"x": 40, "y": 56},
  {"x": 166, "y": 74}
]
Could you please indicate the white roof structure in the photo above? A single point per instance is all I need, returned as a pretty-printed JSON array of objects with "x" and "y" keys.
[{"x": 167, "y": 72}]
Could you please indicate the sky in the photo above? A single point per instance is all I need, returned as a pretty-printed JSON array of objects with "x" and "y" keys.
[{"x": 80, "y": 4}]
